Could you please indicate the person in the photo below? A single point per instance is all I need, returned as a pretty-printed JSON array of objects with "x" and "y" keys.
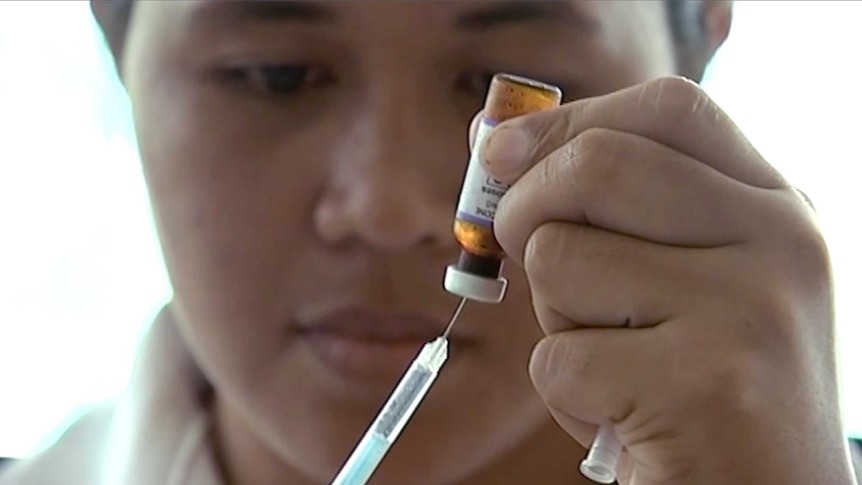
[{"x": 304, "y": 160}]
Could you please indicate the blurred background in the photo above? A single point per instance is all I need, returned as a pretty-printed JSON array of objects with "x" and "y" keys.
[{"x": 80, "y": 270}]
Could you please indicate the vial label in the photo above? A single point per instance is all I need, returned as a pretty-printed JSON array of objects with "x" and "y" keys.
[{"x": 480, "y": 193}]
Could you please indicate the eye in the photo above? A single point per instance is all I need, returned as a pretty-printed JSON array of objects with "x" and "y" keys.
[{"x": 277, "y": 79}]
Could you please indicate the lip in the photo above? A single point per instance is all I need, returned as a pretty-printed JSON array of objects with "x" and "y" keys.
[
  {"x": 366, "y": 345},
  {"x": 366, "y": 323}
]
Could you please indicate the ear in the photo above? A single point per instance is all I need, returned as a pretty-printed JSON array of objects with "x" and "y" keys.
[
  {"x": 113, "y": 16},
  {"x": 717, "y": 16},
  {"x": 710, "y": 26}
]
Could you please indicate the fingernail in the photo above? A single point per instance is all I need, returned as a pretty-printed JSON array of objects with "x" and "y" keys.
[{"x": 506, "y": 152}]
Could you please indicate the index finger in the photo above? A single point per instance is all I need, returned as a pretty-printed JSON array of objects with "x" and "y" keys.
[{"x": 672, "y": 111}]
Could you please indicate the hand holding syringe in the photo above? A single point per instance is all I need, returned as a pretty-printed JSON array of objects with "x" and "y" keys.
[{"x": 476, "y": 276}]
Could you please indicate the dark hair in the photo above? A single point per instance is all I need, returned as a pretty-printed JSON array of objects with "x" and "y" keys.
[{"x": 684, "y": 16}]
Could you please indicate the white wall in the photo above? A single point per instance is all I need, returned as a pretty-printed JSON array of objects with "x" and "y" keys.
[{"x": 80, "y": 272}]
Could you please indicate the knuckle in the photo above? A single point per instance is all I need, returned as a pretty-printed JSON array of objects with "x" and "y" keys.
[
  {"x": 797, "y": 248},
  {"x": 807, "y": 247},
  {"x": 766, "y": 324},
  {"x": 727, "y": 384},
  {"x": 737, "y": 386},
  {"x": 733, "y": 374},
  {"x": 675, "y": 98},
  {"x": 558, "y": 169},
  {"x": 551, "y": 129},
  {"x": 540, "y": 255},
  {"x": 770, "y": 320},
  {"x": 805, "y": 198},
  {"x": 592, "y": 164},
  {"x": 795, "y": 312},
  {"x": 594, "y": 141}
]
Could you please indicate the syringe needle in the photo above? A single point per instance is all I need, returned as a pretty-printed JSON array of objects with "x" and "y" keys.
[{"x": 454, "y": 317}]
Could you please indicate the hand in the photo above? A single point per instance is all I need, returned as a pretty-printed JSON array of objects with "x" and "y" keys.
[{"x": 683, "y": 286}]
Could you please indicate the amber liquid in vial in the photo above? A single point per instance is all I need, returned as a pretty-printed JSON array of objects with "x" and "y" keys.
[{"x": 508, "y": 97}]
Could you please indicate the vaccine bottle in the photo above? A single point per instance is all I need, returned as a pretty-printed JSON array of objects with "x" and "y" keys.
[{"x": 478, "y": 273}]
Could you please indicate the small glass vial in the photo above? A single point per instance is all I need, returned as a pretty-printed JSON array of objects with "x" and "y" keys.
[{"x": 477, "y": 274}]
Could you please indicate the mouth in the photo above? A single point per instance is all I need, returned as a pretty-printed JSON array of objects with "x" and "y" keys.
[{"x": 364, "y": 345}]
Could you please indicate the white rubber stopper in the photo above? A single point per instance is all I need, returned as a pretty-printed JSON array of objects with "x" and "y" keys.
[{"x": 470, "y": 286}]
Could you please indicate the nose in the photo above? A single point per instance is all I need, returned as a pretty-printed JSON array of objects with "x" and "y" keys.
[{"x": 385, "y": 189}]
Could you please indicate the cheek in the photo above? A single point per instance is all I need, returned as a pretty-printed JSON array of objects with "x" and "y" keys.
[{"x": 232, "y": 204}]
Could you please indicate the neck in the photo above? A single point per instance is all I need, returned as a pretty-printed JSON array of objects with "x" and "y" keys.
[
  {"x": 243, "y": 457},
  {"x": 549, "y": 456}
]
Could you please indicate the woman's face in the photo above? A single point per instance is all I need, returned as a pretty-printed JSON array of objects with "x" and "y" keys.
[{"x": 304, "y": 161}]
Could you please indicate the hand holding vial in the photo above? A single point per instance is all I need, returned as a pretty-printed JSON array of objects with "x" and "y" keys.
[
  {"x": 670, "y": 267},
  {"x": 638, "y": 220}
]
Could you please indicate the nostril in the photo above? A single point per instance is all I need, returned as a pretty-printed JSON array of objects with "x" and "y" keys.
[
  {"x": 376, "y": 212},
  {"x": 391, "y": 227},
  {"x": 330, "y": 224},
  {"x": 374, "y": 222}
]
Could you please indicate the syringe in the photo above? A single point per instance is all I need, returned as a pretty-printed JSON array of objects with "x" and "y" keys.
[{"x": 389, "y": 423}]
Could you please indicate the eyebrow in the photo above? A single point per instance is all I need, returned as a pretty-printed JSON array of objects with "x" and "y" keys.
[
  {"x": 223, "y": 13},
  {"x": 507, "y": 13},
  {"x": 494, "y": 15}
]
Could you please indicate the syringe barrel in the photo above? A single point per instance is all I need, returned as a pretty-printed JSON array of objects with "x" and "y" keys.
[
  {"x": 390, "y": 421},
  {"x": 363, "y": 461}
]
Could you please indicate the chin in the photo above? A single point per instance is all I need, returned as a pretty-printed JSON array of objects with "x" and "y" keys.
[{"x": 447, "y": 440}]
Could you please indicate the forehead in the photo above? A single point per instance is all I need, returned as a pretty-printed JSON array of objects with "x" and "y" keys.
[
  {"x": 615, "y": 38},
  {"x": 592, "y": 17}
]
